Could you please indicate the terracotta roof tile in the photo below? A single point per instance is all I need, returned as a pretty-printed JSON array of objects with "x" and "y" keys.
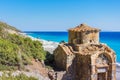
[{"x": 83, "y": 27}]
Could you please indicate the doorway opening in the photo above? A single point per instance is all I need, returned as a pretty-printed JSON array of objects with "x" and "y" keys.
[{"x": 102, "y": 76}]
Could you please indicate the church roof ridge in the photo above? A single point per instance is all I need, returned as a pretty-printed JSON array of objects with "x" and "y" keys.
[{"x": 83, "y": 27}]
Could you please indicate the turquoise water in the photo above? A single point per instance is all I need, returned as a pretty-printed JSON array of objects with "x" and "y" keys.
[{"x": 110, "y": 38}]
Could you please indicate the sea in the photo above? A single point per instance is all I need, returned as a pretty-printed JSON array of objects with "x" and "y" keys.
[{"x": 112, "y": 39}]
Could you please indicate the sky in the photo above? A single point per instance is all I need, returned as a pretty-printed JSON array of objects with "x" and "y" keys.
[{"x": 60, "y": 15}]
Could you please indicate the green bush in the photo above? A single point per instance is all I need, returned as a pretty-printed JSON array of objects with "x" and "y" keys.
[
  {"x": 8, "y": 68},
  {"x": 8, "y": 53},
  {"x": 17, "y": 50}
]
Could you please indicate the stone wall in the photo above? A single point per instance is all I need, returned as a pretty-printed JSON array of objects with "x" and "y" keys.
[
  {"x": 83, "y": 68},
  {"x": 90, "y": 37},
  {"x": 83, "y": 37},
  {"x": 60, "y": 58}
]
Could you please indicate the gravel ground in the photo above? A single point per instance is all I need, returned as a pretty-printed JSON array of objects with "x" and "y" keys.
[{"x": 33, "y": 74}]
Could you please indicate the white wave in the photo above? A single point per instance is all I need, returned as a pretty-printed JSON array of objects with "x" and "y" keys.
[
  {"x": 117, "y": 64},
  {"x": 49, "y": 46}
]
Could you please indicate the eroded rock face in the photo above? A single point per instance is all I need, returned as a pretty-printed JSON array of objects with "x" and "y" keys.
[{"x": 84, "y": 57}]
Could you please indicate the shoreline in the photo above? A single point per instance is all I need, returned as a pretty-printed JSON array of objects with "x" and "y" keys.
[{"x": 49, "y": 46}]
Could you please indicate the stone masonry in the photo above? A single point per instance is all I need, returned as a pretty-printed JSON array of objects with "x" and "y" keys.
[{"x": 84, "y": 57}]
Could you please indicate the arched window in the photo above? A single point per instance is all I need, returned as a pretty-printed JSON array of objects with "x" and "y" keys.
[{"x": 102, "y": 59}]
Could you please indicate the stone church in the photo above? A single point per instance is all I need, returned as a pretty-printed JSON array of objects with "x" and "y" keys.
[{"x": 84, "y": 57}]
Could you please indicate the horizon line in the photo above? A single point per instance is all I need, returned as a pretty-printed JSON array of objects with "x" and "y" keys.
[{"x": 64, "y": 31}]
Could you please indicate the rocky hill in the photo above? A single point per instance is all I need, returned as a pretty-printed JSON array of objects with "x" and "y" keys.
[
  {"x": 17, "y": 50},
  {"x": 21, "y": 54}
]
